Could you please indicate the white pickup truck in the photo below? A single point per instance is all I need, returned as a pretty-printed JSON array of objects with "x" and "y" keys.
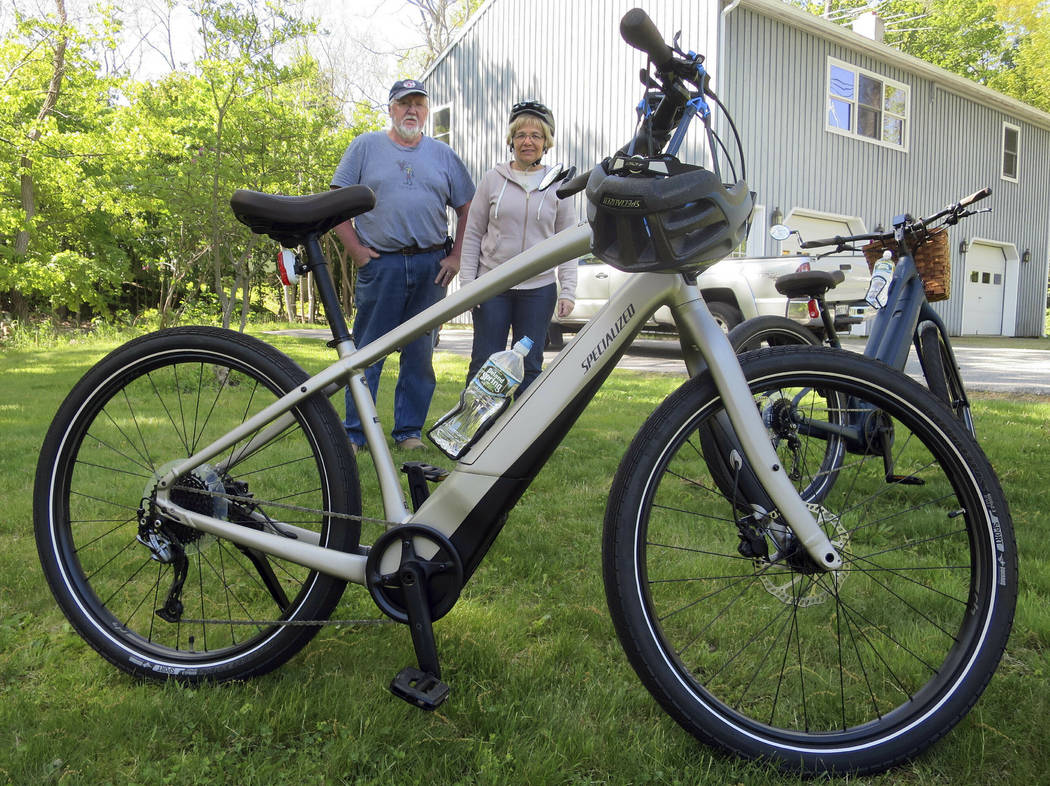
[{"x": 734, "y": 289}]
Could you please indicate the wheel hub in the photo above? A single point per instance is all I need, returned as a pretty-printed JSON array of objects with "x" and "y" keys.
[
  {"x": 808, "y": 584},
  {"x": 195, "y": 491}
]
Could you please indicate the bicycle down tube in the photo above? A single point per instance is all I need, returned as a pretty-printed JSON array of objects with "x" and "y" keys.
[{"x": 493, "y": 475}]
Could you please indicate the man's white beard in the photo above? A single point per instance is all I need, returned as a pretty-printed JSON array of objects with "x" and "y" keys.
[{"x": 406, "y": 133}]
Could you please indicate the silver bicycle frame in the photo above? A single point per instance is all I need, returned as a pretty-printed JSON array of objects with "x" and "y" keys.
[{"x": 574, "y": 373}]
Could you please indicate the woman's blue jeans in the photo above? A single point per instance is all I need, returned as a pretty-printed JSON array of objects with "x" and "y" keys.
[
  {"x": 391, "y": 289},
  {"x": 520, "y": 312}
]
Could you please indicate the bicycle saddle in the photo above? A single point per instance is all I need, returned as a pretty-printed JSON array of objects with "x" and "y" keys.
[
  {"x": 291, "y": 219},
  {"x": 808, "y": 283}
]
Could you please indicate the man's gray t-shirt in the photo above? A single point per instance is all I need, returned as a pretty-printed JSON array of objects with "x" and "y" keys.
[{"x": 412, "y": 187}]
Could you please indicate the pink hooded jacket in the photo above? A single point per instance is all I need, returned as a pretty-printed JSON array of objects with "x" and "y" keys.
[{"x": 504, "y": 220}]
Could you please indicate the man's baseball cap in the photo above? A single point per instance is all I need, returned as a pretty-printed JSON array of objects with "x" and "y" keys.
[{"x": 406, "y": 87}]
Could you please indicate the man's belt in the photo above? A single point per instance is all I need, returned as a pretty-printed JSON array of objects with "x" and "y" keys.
[{"x": 411, "y": 250}]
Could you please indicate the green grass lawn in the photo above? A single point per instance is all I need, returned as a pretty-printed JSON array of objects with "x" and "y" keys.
[{"x": 541, "y": 693}]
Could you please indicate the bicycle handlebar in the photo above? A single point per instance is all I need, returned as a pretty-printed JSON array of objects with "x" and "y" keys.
[
  {"x": 673, "y": 72},
  {"x": 976, "y": 196},
  {"x": 954, "y": 212},
  {"x": 638, "y": 30},
  {"x": 574, "y": 186}
]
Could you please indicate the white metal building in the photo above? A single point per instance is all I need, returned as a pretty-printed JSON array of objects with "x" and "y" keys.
[{"x": 841, "y": 132}]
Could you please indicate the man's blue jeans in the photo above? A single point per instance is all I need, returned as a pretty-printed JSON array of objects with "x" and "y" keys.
[
  {"x": 520, "y": 312},
  {"x": 391, "y": 289}
]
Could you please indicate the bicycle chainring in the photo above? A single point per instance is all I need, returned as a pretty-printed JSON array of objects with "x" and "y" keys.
[{"x": 443, "y": 569}]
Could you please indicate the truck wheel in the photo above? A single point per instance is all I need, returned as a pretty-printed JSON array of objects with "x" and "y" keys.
[
  {"x": 555, "y": 336},
  {"x": 727, "y": 316}
]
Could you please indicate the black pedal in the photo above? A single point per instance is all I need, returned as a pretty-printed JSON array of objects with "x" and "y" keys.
[
  {"x": 905, "y": 480},
  {"x": 419, "y": 688},
  {"x": 427, "y": 471},
  {"x": 419, "y": 472}
]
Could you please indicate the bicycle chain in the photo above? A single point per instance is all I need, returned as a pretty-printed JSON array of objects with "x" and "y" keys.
[
  {"x": 291, "y": 623},
  {"x": 286, "y": 506},
  {"x": 300, "y": 509}
]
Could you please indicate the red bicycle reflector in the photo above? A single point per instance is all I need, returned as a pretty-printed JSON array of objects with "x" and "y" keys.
[
  {"x": 286, "y": 267},
  {"x": 814, "y": 312}
]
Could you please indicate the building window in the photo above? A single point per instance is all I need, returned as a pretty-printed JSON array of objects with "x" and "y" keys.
[
  {"x": 1011, "y": 151},
  {"x": 867, "y": 106},
  {"x": 441, "y": 122}
]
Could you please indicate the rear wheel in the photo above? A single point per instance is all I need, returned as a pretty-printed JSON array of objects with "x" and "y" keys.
[
  {"x": 154, "y": 596},
  {"x": 770, "y": 331},
  {"x": 745, "y": 641}
]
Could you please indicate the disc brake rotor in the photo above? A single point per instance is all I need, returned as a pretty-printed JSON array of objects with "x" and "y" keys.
[{"x": 803, "y": 588}]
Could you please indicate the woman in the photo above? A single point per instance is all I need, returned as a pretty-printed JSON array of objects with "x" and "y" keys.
[{"x": 507, "y": 216}]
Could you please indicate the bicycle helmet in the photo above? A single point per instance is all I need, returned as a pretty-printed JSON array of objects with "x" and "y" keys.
[
  {"x": 658, "y": 214},
  {"x": 534, "y": 108}
]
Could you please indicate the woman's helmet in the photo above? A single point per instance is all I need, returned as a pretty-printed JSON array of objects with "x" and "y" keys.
[
  {"x": 534, "y": 108},
  {"x": 658, "y": 214}
]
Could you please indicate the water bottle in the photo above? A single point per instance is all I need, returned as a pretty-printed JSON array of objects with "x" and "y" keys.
[
  {"x": 487, "y": 394},
  {"x": 878, "y": 289}
]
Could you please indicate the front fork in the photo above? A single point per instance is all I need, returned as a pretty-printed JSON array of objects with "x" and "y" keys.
[{"x": 703, "y": 340}]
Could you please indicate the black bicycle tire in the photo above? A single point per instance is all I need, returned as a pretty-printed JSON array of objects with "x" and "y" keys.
[
  {"x": 73, "y": 443},
  {"x": 717, "y": 442},
  {"x": 631, "y": 582},
  {"x": 781, "y": 330},
  {"x": 941, "y": 377}
]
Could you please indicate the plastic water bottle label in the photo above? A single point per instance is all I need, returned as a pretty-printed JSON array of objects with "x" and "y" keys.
[{"x": 493, "y": 380}]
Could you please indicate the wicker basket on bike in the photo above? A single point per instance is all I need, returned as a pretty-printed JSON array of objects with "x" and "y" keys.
[
  {"x": 932, "y": 260},
  {"x": 655, "y": 213}
]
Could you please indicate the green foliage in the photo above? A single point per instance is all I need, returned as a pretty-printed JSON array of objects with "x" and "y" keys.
[
  {"x": 541, "y": 691},
  {"x": 1029, "y": 24},
  {"x": 1004, "y": 44},
  {"x": 132, "y": 179}
]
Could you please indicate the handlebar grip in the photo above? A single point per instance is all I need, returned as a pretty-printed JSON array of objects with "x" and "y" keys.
[
  {"x": 574, "y": 186},
  {"x": 976, "y": 196},
  {"x": 826, "y": 241},
  {"x": 638, "y": 30}
]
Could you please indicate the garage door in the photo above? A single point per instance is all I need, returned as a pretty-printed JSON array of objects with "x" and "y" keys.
[{"x": 985, "y": 290}]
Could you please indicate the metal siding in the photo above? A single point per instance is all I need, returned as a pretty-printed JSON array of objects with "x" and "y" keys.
[
  {"x": 772, "y": 77},
  {"x": 953, "y": 150}
]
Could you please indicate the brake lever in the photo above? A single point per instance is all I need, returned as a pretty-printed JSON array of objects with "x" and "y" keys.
[
  {"x": 837, "y": 250},
  {"x": 954, "y": 217}
]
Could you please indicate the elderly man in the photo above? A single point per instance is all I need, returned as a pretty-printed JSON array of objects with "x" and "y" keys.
[{"x": 399, "y": 247}]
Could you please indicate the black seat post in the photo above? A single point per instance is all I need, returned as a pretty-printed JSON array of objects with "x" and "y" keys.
[
  {"x": 318, "y": 265},
  {"x": 828, "y": 318}
]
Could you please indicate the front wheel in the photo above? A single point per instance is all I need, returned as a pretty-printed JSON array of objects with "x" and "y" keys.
[
  {"x": 750, "y": 645},
  {"x": 942, "y": 376},
  {"x": 154, "y": 596}
]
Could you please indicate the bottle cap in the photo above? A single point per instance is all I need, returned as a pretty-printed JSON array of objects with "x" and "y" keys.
[{"x": 524, "y": 344}]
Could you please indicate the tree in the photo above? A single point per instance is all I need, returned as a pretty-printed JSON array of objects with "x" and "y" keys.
[
  {"x": 1028, "y": 22},
  {"x": 438, "y": 21},
  {"x": 63, "y": 250},
  {"x": 1004, "y": 44}
]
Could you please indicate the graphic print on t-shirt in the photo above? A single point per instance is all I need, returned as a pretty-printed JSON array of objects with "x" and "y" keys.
[{"x": 406, "y": 170}]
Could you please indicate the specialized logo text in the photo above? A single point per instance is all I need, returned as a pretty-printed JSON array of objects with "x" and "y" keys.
[{"x": 608, "y": 338}]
